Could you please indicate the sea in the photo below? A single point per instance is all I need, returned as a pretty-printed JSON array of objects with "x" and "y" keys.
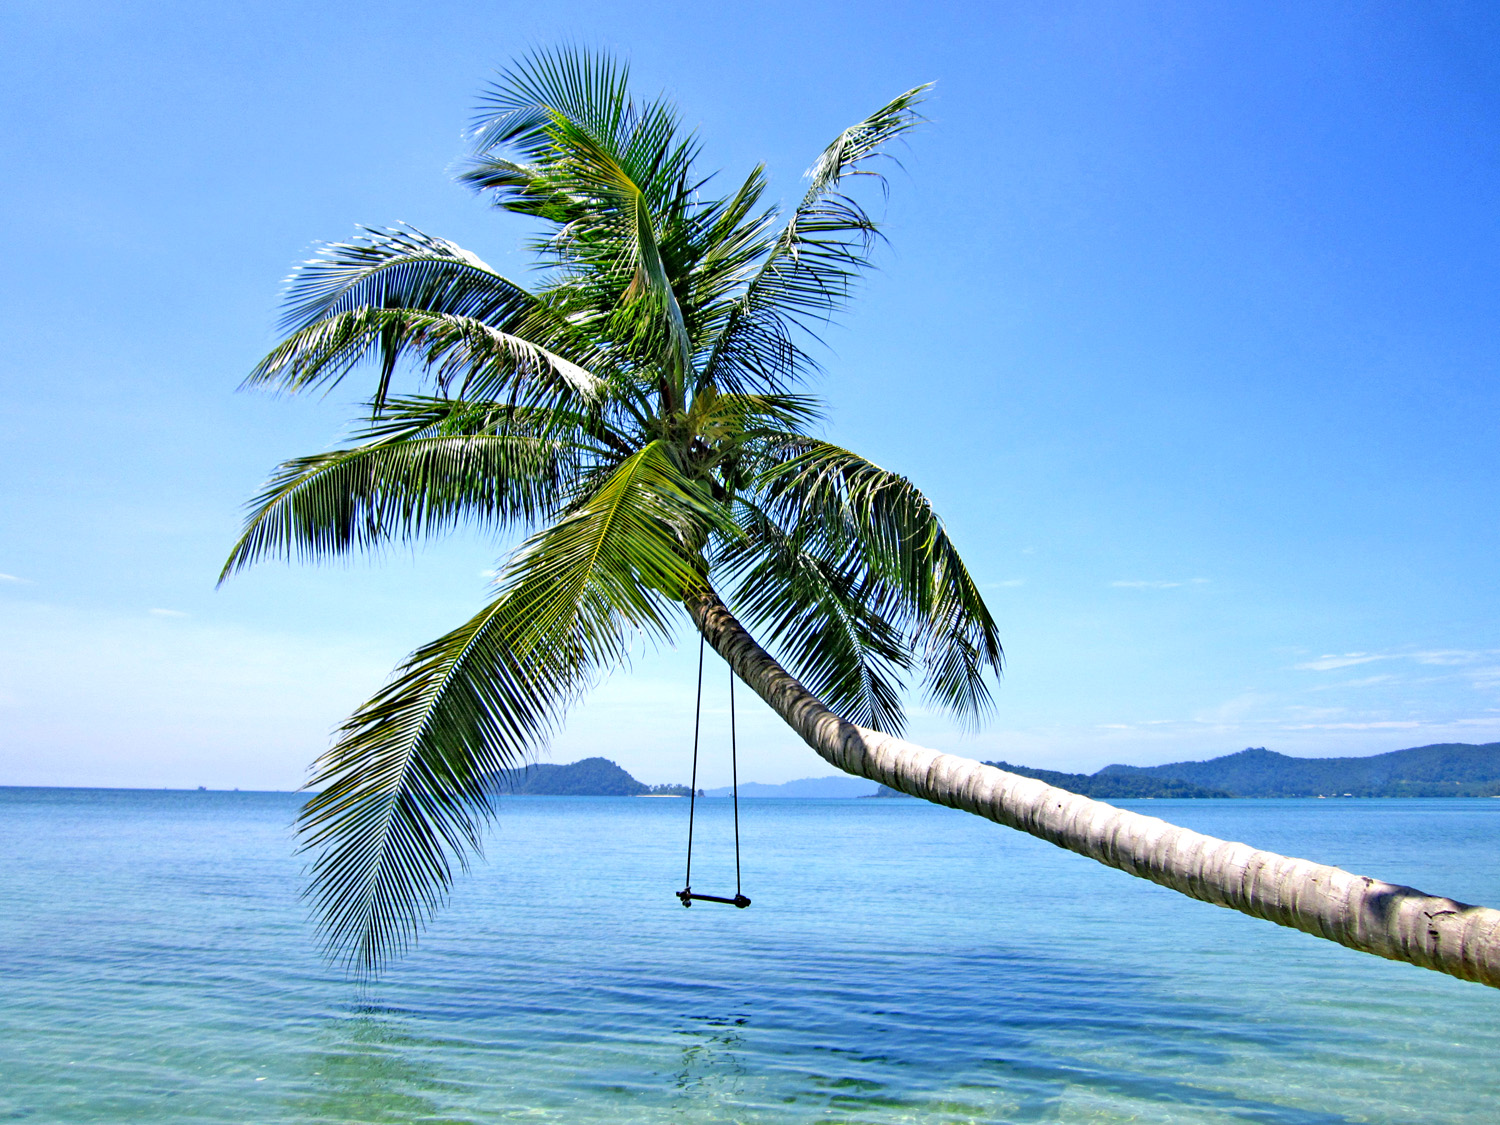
[{"x": 900, "y": 963}]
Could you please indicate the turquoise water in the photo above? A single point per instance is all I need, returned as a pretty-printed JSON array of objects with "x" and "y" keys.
[{"x": 901, "y": 963}]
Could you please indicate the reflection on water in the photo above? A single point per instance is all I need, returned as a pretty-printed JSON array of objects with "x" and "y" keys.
[
  {"x": 902, "y": 963},
  {"x": 368, "y": 1068}
]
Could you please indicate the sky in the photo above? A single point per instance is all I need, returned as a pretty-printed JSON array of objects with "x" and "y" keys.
[{"x": 1187, "y": 324}]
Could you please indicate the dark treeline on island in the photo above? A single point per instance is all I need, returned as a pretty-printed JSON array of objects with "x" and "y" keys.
[
  {"x": 1455, "y": 769},
  {"x": 1101, "y": 786},
  {"x": 592, "y": 777},
  {"x": 1105, "y": 785},
  {"x": 1447, "y": 770}
]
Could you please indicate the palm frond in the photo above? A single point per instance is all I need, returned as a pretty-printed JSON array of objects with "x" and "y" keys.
[
  {"x": 820, "y": 609},
  {"x": 809, "y": 271},
  {"x": 903, "y": 542},
  {"x": 462, "y": 353},
  {"x": 404, "y": 793},
  {"x": 637, "y": 537},
  {"x": 347, "y": 304},
  {"x": 620, "y": 230},
  {"x": 405, "y": 788},
  {"x": 404, "y": 268},
  {"x": 425, "y": 466},
  {"x": 542, "y": 105},
  {"x": 517, "y": 110}
]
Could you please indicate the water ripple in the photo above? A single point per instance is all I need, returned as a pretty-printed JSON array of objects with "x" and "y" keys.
[{"x": 155, "y": 966}]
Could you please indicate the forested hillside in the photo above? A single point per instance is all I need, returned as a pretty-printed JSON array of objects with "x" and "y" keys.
[
  {"x": 1117, "y": 786},
  {"x": 1444, "y": 770},
  {"x": 591, "y": 777}
]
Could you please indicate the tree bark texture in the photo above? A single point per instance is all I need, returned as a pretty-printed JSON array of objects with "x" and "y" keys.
[{"x": 1367, "y": 914}]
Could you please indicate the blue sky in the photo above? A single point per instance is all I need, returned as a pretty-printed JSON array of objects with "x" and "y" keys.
[{"x": 1188, "y": 325}]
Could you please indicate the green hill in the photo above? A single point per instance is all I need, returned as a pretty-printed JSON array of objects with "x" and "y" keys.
[
  {"x": 1105, "y": 788},
  {"x": 592, "y": 777},
  {"x": 1117, "y": 787},
  {"x": 1446, "y": 770},
  {"x": 1454, "y": 769}
]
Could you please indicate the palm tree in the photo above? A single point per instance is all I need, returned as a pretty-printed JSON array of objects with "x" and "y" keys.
[{"x": 636, "y": 417}]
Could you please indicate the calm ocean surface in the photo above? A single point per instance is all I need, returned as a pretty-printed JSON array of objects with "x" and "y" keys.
[{"x": 901, "y": 963}]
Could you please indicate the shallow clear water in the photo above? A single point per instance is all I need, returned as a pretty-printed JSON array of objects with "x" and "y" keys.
[{"x": 901, "y": 963}]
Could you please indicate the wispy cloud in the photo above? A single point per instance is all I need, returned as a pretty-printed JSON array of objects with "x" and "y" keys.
[
  {"x": 1452, "y": 658},
  {"x": 1329, "y": 661},
  {"x": 167, "y": 613},
  {"x": 1363, "y": 681},
  {"x": 1305, "y": 714},
  {"x": 1234, "y": 710},
  {"x": 1007, "y": 582},
  {"x": 1139, "y": 584},
  {"x": 1387, "y": 724},
  {"x": 13, "y": 578},
  {"x": 1486, "y": 677}
]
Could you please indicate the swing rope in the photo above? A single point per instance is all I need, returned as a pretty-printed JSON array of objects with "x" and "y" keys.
[{"x": 686, "y": 894}]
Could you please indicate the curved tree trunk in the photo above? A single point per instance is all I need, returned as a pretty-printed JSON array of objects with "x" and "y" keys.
[{"x": 1363, "y": 913}]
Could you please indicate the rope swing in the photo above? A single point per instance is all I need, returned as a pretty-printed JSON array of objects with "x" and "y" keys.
[{"x": 686, "y": 894}]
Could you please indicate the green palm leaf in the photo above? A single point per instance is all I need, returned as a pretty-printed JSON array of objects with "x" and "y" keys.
[
  {"x": 427, "y": 465},
  {"x": 405, "y": 789},
  {"x": 807, "y": 274},
  {"x": 634, "y": 541},
  {"x": 620, "y": 219},
  {"x": 612, "y": 175},
  {"x": 404, "y": 793},
  {"x": 820, "y": 610},
  {"x": 590, "y": 88},
  {"x": 399, "y": 293},
  {"x": 903, "y": 542},
  {"x": 462, "y": 353}
]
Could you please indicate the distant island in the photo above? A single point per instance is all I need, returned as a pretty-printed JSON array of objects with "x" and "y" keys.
[
  {"x": 1120, "y": 787},
  {"x": 600, "y": 777},
  {"x": 820, "y": 788},
  {"x": 1101, "y": 785},
  {"x": 1454, "y": 769},
  {"x": 591, "y": 777},
  {"x": 1450, "y": 769}
]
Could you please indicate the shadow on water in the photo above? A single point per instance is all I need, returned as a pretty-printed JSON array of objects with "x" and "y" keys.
[
  {"x": 1052, "y": 1083},
  {"x": 371, "y": 1069},
  {"x": 713, "y": 1061}
]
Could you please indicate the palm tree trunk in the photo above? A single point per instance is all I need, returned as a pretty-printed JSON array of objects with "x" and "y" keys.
[{"x": 1363, "y": 913}]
